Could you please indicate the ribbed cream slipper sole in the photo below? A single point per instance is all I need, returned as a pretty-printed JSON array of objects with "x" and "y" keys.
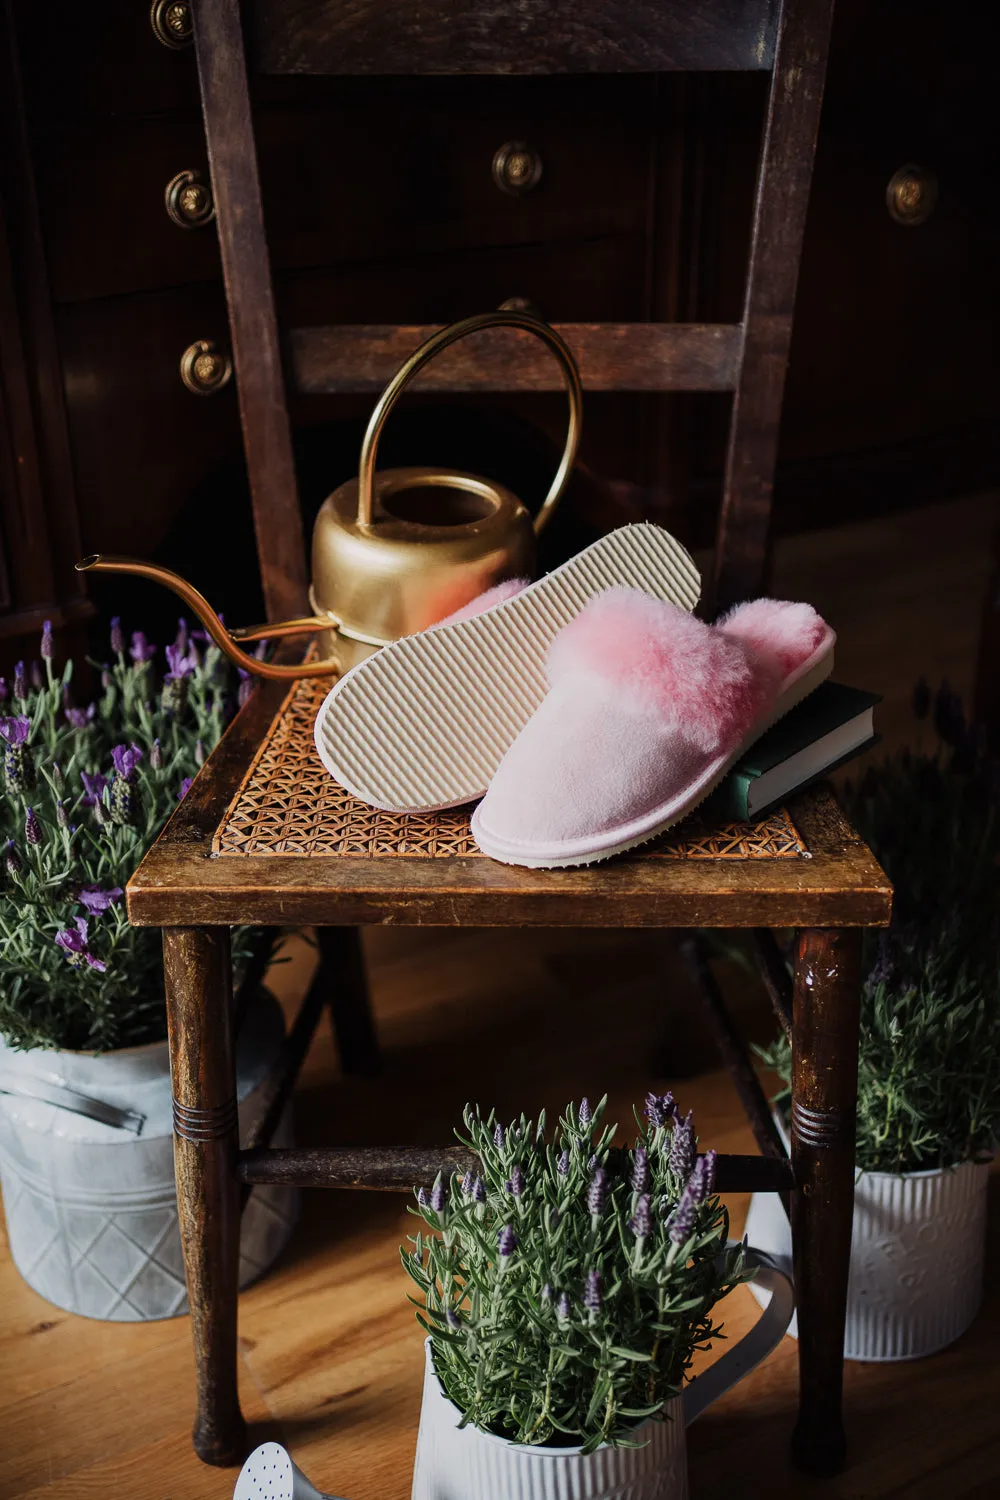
[
  {"x": 424, "y": 723},
  {"x": 643, "y": 831}
]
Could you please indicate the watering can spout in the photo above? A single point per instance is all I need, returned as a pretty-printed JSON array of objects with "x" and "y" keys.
[{"x": 228, "y": 641}]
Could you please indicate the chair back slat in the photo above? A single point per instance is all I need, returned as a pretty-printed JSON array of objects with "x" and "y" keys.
[
  {"x": 513, "y": 36},
  {"x": 612, "y": 357}
]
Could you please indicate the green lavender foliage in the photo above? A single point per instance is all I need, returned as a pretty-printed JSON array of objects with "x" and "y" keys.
[
  {"x": 929, "y": 1066},
  {"x": 68, "y": 859},
  {"x": 567, "y": 1289}
]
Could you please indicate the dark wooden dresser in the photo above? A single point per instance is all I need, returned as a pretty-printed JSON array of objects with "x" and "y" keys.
[{"x": 420, "y": 200}]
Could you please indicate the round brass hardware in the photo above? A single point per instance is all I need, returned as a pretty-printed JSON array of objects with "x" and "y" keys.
[
  {"x": 189, "y": 200},
  {"x": 522, "y": 305},
  {"x": 171, "y": 23},
  {"x": 205, "y": 368},
  {"x": 911, "y": 194},
  {"x": 517, "y": 168}
]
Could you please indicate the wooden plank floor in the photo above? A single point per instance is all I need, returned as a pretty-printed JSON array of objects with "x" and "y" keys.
[{"x": 330, "y": 1352}]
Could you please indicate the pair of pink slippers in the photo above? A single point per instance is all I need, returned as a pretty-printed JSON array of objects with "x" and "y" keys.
[{"x": 590, "y": 711}]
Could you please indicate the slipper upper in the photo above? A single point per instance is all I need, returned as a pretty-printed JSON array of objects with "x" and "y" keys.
[{"x": 644, "y": 701}]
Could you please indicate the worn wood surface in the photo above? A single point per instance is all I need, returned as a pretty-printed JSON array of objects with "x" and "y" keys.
[
  {"x": 179, "y": 883},
  {"x": 198, "y": 973},
  {"x": 783, "y": 183},
  {"x": 827, "y": 1007},
  {"x": 232, "y": 158},
  {"x": 512, "y": 36},
  {"x": 611, "y": 356}
]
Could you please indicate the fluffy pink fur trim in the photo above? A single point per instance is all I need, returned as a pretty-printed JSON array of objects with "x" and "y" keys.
[
  {"x": 697, "y": 680},
  {"x": 773, "y": 628},
  {"x": 496, "y": 595}
]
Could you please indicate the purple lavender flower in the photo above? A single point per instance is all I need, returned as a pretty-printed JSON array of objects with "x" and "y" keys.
[
  {"x": 641, "y": 1222},
  {"x": 562, "y": 1165},
  {"x": 592, "y": 1298},
  {"x": 126, "y": 759},
  {"x": 117, "y": 636},
  {"x": 479, "y": 1191},
  {"x": 703, "y": 1177},
  {"x": 683, "y": 1149},
  {"x": 186, "y": 786},
  {"x": 660, "y": 1109},
  {"x": 181, "y": 662},
  {"x": 507, "y": 1242},
  {"x": 183, "y": 635},
  {"x": 563, "y": 1309},
  {"x": 640, "y": 1170},
  {"x": 439, "y": 1196},
  {"x": 597, "y": 1192},
  {"x": 4, "y": 690},
  {"x": 422, "y": 1198},
  {"x": 97, "y": 900},
  {"x": 499, "y": 1138},
  {"x": 516, "y": 1184},
  {"x": 20, "y": 681},
  {"x": 585, "y": 1111},
  {"x": 682, "y": 1220},
  {"x": 468, "y": 1183},
  {"x": 93, "y": 786},
  {"x": 58, "y": 779},
  {"x": 546, "y": 1293},
  {"x": 62, "y": 816},
  {"x": 156, "y": 757},
  {"x": 452, "y": 1319},
  {"x": 15, "y": 731},
  {"x": 12, "y": 859},
  {"x": 74, "y": 945},
  {"x": 245, "y": 690},
  {"x": 48, "y": 646},
  {"x": 107, "y": 680},
  {"x": 32, "y": 828},
  {"x": 79, "y": 718},
  {"x": 140, "y": 650}
]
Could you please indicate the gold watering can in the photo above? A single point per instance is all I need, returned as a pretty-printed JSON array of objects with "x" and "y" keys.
[{"x": 393, "y": 552}]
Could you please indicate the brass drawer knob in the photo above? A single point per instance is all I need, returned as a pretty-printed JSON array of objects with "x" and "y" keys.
[
  {"x": 172, "y": 24},
  {"x": 517, "y": 168},
  {"x": 189, "y": 202},
  {"x": 911, "y": 194},
  {"x": 205, "y": 368}
]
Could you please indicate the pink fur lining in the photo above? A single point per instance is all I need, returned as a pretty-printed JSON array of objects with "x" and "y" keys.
[
  {"x": 710, "y": 683},
  {"x": 496, "y": 595},
  {"x": 788, "y": 633},
  {"x": 659, "y": 658}
]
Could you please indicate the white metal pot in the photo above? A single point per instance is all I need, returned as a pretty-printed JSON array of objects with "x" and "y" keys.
[
  {"x": 91, "y": 1208},
  {"x": 463, "y": 1463},
  {"x": 917, "y": 1251}
]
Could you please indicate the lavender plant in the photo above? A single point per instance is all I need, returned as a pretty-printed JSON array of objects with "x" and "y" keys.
[
  {"x": 929, "y": 1065},
  {"x": 86, "y": 789},
  {"x": 567, "y": 1285}
]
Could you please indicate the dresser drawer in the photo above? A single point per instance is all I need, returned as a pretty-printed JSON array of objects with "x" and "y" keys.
[{"x": 401, "y": 170}]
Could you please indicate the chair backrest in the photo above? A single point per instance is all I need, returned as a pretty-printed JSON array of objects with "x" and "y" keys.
[{"x": 789, "y": 38}]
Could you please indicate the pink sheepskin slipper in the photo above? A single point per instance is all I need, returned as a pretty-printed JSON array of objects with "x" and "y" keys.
[{"x": 646, "y": 711}]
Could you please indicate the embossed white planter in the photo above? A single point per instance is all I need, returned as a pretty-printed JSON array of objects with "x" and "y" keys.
[
  {"x": 917, "y": 1253},
  {"x": 463, "y": 1463},
  {"x": 91, "y": 1210}
]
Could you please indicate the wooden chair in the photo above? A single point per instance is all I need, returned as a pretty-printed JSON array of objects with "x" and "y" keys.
[{"x": 265, "y": 837}]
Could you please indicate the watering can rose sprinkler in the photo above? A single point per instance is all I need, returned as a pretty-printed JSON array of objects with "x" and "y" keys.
[{"x": 395, "y": 551}]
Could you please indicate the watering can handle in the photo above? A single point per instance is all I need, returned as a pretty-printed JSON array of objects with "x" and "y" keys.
[
  {"x": 422, "y": 356},
  {"x": 753, "y": 1347}
]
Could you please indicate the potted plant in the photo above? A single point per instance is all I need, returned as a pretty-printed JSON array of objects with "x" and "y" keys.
[
  {"x": 929, "y": 1063},
  {"x": 565, "y": 1287},
  {"x": 86, "y": 1159}
]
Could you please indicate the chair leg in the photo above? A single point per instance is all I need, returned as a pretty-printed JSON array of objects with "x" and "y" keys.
[
  {"x": 343, "y": 963},
  {"x": 206, "y": 1142},
  {"x": 825, "y": 1020}
]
